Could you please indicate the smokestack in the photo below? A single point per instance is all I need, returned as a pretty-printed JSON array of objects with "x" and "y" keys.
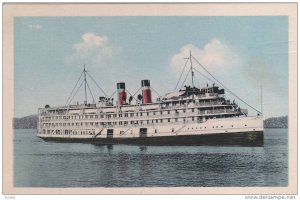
[
  {"x": 146, "y": 91},
  {"x": 121, "y": 93}
]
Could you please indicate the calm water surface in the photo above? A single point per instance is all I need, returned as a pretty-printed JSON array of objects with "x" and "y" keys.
[{"x": 48, "y": 164}]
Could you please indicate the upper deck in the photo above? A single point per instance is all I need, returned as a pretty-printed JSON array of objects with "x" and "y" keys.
[{"x": 209, "y": 100}]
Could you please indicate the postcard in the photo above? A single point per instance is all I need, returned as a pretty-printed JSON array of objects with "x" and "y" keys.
[{"x": 166, "y": 98}]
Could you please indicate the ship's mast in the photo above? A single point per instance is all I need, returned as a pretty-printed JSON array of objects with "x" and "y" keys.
[
  {"x": 261, "y": 98},
  {"x": 192, "y": 72},
  {"x": 84, "y": 72}
]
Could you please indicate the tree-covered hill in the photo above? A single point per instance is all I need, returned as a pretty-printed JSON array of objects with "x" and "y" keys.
[
  {"x": 276, "y": 122},
  {"x": 28, "y": 122}
]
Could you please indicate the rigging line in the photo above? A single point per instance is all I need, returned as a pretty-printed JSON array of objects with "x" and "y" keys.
[
  {"x": 85, "y": 100},
  {"x": 197, "y": 81},
  {"x": 90, "y": 91},
  {"x": 112, "y": 94},
  {"x": 203, "y": 75},
  {"x": 136, "y": 91},
  {"x": 75, "y": 93},
  {"x": 131, "y": 94},
  {"x": 206, "y": 70},
  {"x": 155, "y": 91},
  {"x": 181, "y": 73},
  {"x": 74, "y": 87},
  {"x": 97, "y": 84},
  {"x": 185, "y": 78},
  {"x": 225, "y": 86}
]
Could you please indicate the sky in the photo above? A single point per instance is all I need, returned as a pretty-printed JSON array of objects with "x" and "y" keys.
[{"x": 243, "y": 53}]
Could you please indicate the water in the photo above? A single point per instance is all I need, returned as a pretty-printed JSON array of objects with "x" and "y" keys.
[{"x": 48, "y": 164}]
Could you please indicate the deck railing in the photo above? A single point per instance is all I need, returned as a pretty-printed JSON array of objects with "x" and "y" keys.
[
  {"x": 150, "y": 117},
  {"x": 146, "y": 121}
]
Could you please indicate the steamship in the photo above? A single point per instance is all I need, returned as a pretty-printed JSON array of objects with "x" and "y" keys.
[{"x": 189, "y": 116}]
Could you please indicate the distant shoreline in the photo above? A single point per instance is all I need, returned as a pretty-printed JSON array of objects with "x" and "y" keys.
[
  {"x": 30, "y": 122},
  {"x": 276, "y": 122}
]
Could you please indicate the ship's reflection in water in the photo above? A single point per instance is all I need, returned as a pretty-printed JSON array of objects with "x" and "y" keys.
[
  {"x": 110, "y": 147},
  {"x": 51, "y": 164},
  {"x": 145, "y": 163},
  {"x": 144, "y": 167},
  {"x": 123, "y": 163}
]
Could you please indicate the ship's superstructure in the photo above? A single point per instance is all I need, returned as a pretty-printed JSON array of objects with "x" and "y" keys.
[{"x": 190, "y": 116}]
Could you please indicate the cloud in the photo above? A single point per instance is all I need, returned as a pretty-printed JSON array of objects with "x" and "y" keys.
[
  {"x": 90, "y": 42},
  {"x": 93, "y": 49},
  {"x": 215, "y": 56},
  {"x": 35, "y": 27}
]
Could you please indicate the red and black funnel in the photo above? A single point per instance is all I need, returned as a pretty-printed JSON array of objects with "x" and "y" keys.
[
  {"x": 146, "y": 91},
  {"x": 121, "y": 93}
]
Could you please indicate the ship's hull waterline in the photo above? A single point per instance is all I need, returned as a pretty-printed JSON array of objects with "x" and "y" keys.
[{"x": 253, "y": 138}]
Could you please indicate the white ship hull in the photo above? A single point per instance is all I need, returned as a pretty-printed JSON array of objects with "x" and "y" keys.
[{"x": 225, "y": 131}]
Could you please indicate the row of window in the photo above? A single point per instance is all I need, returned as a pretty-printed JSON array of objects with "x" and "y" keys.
[
  {"x": 141, "y": 122},
  {"x": 69, "y": 132},
  {"x": 130, "y": 114},
  {"x": 122, "y": 123},
  {"x": 204, "y": 127},
  {"x": 212, "y": 127},
  {"x": 109, "y": 131},
  {"x": 197, "y": 102}
]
